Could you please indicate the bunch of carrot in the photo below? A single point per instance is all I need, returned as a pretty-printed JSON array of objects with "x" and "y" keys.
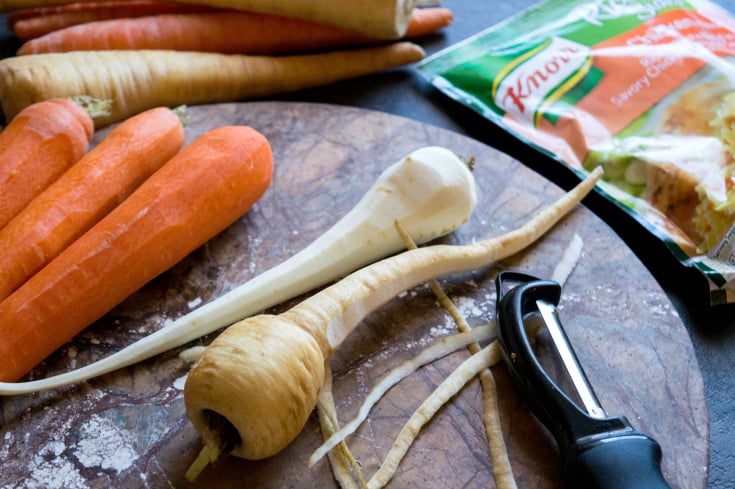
[
  {"x": 206, "y": 51},
  {"x": 125, "y": 212}
]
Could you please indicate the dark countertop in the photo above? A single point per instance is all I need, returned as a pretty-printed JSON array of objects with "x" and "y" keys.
[{"x": 406, "y": 93}]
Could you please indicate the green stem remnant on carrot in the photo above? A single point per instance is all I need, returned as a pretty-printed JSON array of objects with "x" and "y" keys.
[
  {"x": 229, "y": 32},
  {"x": 38, "y": 145},
  {"x": 138, "y": 80},
  {"x": 194, "y": 196},
  {"x": 34, "y": 22},
  {"x": 86, "y": 193},
  {"x": 223, "y": 393}
]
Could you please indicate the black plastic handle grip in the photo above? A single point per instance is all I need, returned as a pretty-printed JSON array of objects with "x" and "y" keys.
[
  {"x": 597, "y": 453},
  {"x": 629, "y": 461}
]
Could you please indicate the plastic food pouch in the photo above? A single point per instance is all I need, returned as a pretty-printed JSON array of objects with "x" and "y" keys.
[{"x": 642, "y": 88}]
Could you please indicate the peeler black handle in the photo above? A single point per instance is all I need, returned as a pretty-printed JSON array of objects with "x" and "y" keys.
[
  {"x": 598, "y": 452},
  {"x": 627, "y": 461}
]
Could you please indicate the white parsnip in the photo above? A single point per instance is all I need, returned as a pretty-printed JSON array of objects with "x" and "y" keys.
[
  {"x": 381, "y": 19},
  {"x": 430, "y": 191},
  {"x": 253, "y": 389},
  {"x": 138, "y": 80}
]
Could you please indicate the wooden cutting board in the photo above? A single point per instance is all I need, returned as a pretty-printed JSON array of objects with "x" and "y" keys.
[{"x": 129, "y": 429}]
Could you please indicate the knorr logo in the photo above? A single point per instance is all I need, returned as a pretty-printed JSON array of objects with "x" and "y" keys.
[{"x": 527, "y": 87}]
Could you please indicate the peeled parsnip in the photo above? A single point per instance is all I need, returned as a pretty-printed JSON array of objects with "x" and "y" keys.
[
  {"x": 431, "y": 192},
  {"x": 253, "y": 389}
]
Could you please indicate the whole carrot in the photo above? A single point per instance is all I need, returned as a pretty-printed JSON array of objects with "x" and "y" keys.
[
  {"x": 138, "y": 80},
  {"x": 83, "y": 195},
  {"x": 203, "y": 189},
  {"x": 40, "y": 143},
  {"x": 221, "y": 32},
  {"x": 34, "y": 22}
]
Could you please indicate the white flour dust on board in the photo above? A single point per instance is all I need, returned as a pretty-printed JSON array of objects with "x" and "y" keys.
[
  {"x": 475, "y": 310},
  {"x": 63, "y": 450},
  {"x": 47, "y": 467},
  {"x": 51, "y": 471},
  {"x": 104, "y": 445}
]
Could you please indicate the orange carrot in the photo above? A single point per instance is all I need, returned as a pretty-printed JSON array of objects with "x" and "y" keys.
[
  {"x": 103, "y": 6},
  {"x": 38, "y": 145},
  {"x": 31, "y": 23},
  {"x": 428, "y": 20},
  {"x": 86, "y": 193},
  {"x": 206, "y": 187},
  {"x": 228, "y": 32}
]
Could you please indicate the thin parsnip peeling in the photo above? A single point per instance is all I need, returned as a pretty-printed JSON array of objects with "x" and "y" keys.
[
  {"x": 436, "y": 350},
  {"x": 468, "y": 370},
  {"x": 345, "y": 468},
  {"x": 142, "y": 79},
  {"x": 225, "y": 393},
  {"x": 431, "y": 192}
]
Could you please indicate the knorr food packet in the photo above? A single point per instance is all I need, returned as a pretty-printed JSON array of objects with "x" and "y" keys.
[{"x": 644, "y": 88}]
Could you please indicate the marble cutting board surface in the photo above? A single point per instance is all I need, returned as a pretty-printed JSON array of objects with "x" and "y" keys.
[{"x": 128, "y": 429}]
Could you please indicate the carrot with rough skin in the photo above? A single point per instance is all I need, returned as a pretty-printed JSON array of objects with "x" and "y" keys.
[
  {"x": 229, "y": 32},
  {"x": 83, "y": 195},
  {"x": 139, "y": 80},
  {"x": 203, "y": 189},
  {"x": 35, "y": 22},
  {"x": 383, "y": 19},
  {"x": 39, "y": 144}
]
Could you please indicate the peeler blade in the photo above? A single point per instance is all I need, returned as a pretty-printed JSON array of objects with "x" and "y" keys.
[{"x": 550, "y": 315}]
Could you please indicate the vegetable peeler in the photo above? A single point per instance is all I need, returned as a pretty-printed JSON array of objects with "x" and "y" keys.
[{"x": 598, "y": 451}]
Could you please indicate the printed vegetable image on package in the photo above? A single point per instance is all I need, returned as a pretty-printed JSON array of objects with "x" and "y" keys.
[{"x": 645, "y": 89}]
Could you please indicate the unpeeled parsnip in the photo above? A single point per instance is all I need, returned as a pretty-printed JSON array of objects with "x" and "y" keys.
[
  {"x": 430, "y": 191},
  {"x": 135, "y": 81},
  {"x": 382, "y": 19},
  {"x": 254, "y": 387}
]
